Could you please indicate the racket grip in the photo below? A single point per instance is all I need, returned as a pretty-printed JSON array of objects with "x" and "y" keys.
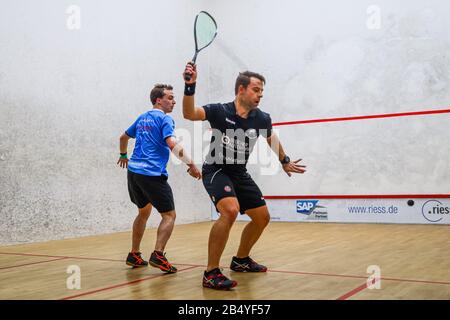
[{"x": 187, "y": 76}]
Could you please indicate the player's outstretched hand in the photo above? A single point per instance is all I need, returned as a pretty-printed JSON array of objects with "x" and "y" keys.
[
  {"x": 293, "y": 167},
  {"x": 123, "y": 162},
  {"x": 194, "y": 172}
]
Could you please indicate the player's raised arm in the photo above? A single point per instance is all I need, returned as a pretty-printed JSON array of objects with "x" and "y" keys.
[{"x": 191, "y": 112}]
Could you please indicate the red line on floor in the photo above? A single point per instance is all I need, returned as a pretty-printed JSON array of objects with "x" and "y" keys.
[
  {"x": 356, "y": 290},
  {"x": 318, "y": 274},
  {"x": 81, "y": 258},
  {"x": 417, "y": 281},
  {"x": 361, "y": 277},
  {"x": 32, "y": 263},
  {"x": 270, "y": 270},
  {"x": 121, "y": 285},
  {"x": 66, "y": 257},
  {"x": 352, "y": 292},
  {"x": 376, "y": 116}
]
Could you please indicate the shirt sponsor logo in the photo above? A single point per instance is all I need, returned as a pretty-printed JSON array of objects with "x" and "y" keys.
[
  {"x": 226, "y": 140},
  {"x": 251, "y": 134},
  {"x": 229, "y": 121}
]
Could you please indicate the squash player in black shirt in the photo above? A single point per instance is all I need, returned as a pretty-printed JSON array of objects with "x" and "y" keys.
[{"x": 236, "y": 126}]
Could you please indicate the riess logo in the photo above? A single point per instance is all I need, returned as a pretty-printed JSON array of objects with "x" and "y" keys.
[{"x": 434, "y": 211}]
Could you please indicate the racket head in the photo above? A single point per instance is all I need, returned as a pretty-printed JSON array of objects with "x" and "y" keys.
[{"x": 205, "y": 30}]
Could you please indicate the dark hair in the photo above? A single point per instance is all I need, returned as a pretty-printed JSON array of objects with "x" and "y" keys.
[
  {"x": 158, "y": 91},
  {"x": 244, "y": 79}
]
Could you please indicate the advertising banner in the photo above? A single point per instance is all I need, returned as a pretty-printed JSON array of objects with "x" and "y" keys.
[{"x": 408, "y": 211}]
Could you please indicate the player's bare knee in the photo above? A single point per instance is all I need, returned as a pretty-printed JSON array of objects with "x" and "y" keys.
[
  {"x": 230, "y": 213},
  {"x": 170, "y": 215},
  {"x": 265, "y": 220},
  {"x": 144, "y": 213},
  {"x": 262, "y": 220}
]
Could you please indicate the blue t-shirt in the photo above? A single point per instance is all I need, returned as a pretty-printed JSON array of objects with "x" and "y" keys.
[{"x": 151, "y": 152}]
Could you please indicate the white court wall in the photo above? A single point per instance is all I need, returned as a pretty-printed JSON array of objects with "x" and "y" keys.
[
  {"x": 65, "y": 98},
  {"x": 327, "y": 59}
]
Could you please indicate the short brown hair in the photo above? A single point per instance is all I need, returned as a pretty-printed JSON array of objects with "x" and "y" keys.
[
  {"x": 244, "y": 79},
  {"x": 158, "y": 91}
]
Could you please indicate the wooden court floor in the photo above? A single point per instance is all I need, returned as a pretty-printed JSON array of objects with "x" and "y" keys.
[{"x": 305, "y": 261}]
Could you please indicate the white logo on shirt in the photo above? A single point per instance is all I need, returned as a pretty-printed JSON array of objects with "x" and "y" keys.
[
  {"x": 226, "y": 139},
  {"x": 228, "y": 120},
  {"x": 251, "y": 134}
]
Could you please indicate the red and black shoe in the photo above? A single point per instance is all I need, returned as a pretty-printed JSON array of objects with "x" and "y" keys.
[
  {"x": 246, "y": 265},
  {"x": 158, "y": 260},
  {"x": 214, "y": 279},
  {"x": 135, "y": 260}
]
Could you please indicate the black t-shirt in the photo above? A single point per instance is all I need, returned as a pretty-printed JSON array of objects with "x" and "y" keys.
[{"x": 233, "y": 137}]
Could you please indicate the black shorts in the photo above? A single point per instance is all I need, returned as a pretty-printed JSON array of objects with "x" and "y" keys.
[
  {"x": 146, "y": 189},
  {"x": 220, "y": 184}
]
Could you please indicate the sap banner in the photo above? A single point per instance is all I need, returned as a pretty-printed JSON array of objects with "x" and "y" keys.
[{"x": 414, "y": 211}]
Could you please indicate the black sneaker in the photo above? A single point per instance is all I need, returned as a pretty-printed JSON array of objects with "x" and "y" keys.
[
  {"x": 158, "y": 260},
  {"x": 214, "y": 279},
  {"x": 246, "y": 265},
  {"x": 135, "y": 260}
]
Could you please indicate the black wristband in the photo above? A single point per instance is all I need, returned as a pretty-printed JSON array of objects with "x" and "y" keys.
[
  {"x": 123, "y": 154},
  {"x": 189, "y": 89},
  {"x": 285, "y": 160}
]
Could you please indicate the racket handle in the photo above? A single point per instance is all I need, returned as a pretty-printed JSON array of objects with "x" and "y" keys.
[{"x": 187, "y": 77}]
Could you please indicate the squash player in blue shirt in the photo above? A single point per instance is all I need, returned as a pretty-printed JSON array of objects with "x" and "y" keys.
[
  {"x": 236, "y": 127},
  {"x": 147, "y": 174}
]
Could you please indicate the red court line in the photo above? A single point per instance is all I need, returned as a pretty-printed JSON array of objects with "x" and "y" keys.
[
  {"x": 362, "y": 196},
  {"x": 417, "y": 281},
  {"x": 270, "y": 270},
  {"x": 32, "y": 263},
  {"x": 376, "y": 116},
  {"x": 80, "y": 258},
  {"x": 360, "y": 277},
  {"x": 352, "y": 292},
  {"x": 124, "y": 284},
  {"x": 319, "y": 274},
  {"x": 65, "y": 257},
  {"x": 356, "y": 290}
]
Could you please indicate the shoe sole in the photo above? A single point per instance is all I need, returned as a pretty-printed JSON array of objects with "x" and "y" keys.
[
  {"x": 161, "y": 268},
  {"x": 136, "y": 265},
  {"x": 261, "y": 271},
  {"x": 219, "y": 288}
]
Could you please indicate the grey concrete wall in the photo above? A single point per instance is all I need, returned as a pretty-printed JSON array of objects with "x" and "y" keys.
[{"x": 66, "y": 95}]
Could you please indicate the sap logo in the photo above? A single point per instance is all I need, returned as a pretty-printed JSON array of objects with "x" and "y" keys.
[{"x": 306, "y": 206}]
